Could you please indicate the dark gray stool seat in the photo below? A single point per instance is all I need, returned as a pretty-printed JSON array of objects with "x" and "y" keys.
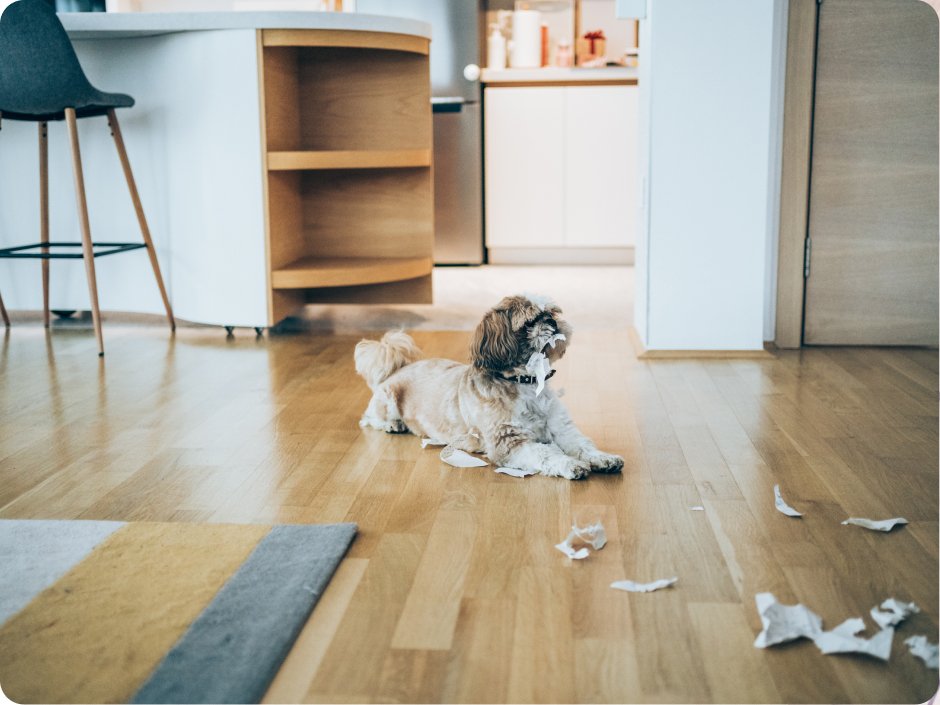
[
  {"x": 41, "y": 80},
  {"x": 39, "y": 72}
]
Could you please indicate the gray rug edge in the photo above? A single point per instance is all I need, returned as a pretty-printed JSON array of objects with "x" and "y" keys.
[{"x": 220, "y": 659}]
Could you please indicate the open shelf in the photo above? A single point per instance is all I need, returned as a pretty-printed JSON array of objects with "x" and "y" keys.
[
  {"x": 348, "y": 151},
  {"x": 316, "y": 272},
  {"x": 348, "y": 159}
]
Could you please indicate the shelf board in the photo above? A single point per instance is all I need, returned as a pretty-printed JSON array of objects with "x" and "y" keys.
[
  {"x": 314, "y": 272},
  {"x": 349, "y": 159},
  {"x": 351, "y": 39}
]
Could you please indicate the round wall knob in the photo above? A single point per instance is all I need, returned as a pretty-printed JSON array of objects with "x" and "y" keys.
[{"x": 471, "y": 72}]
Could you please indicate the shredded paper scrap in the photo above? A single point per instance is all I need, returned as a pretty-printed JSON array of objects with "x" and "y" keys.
[
  {"x": 783, "y": 623},
  {"x": 924, "y": 650},
  {"x": 896, "y": 612},
  {"x": 782, "y": 506},
  {"x": 631, "y": 586},
  {"x": 515, "y": 472},
  {"x": 881, "y": 525},
  {"x": 460, "y": 459},
  {"x": 425, "y": 442},
  {"x": 538, "y": 366},
  {"x": 592, "y": 535}
]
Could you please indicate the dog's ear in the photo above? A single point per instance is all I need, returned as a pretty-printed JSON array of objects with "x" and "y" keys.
[{"x": 494, "y": 345}]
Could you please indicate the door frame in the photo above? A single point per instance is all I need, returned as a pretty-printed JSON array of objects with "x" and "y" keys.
[{"x": 795, "y": 169}]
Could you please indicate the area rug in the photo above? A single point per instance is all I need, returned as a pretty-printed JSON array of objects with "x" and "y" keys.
[{"x": 101, "y": 612}]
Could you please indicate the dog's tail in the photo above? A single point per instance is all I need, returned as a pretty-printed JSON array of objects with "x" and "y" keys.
[{"x": 377, "y": 360}]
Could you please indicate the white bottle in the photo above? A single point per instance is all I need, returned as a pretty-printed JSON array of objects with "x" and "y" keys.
[{"x": 496, "y": 49}]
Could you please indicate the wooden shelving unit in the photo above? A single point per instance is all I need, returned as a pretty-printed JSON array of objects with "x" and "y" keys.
[
  {"x": 348, "y": 144},
  {"x": 314, "y": 272}
]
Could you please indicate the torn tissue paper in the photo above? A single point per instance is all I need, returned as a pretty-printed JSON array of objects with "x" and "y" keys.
[
  {"x": 515, "y": 472},
  {"x": 460, "y": 459},
  {"x": 784, "y": 622},
  {"x": 593, "y": 535},
  {"x": 924, "y": 650},
  {"x": 631, "y": 586},
  {"x": 897, "y": 612},
  {"x": 555, "y": 338},
  {"x": 782, "y": 506},
  {"x": 882, "y": 525},
  {"x": 842, "y": 640},
  {"x": 538, "y": 366},
  {"x": 425, "y": 442}
]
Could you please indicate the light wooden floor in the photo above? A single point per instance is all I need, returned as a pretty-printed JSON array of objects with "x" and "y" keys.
[{"x": 453, "y": 590}]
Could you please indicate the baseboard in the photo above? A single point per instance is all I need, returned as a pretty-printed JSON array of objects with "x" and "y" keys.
[
  {"x": 561, "y": 255},
  {"x": 643, "y": 354}
]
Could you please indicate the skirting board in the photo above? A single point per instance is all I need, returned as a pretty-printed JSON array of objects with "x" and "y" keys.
[
  {"x": 561, "y": 255},
  {"x": 643, "y": 354}
]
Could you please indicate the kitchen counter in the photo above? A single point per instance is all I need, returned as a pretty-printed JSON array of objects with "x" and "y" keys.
[
  {"x": 118, "y": 25},
  {"x": 261, "y": 143},
  {"x": 560, "y": 76}
]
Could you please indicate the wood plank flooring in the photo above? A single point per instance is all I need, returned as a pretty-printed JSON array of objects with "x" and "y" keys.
[{"x": 453, "y": 591}]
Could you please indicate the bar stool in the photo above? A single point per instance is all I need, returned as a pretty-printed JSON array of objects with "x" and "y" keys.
[{"x": 42, "y": 81}]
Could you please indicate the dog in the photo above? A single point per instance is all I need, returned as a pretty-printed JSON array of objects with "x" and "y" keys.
[{"x": 499, "y": 404}]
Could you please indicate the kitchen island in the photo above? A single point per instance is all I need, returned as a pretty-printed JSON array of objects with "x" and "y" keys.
[{"x": 282, "y": 158}]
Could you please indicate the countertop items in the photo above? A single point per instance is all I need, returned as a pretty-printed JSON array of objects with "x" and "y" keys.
[
  {"x": 554, "y": 74},
  {"x": 117, "y": 25}
]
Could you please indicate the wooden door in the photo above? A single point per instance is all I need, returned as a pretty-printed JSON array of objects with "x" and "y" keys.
[{"x": 873, "y": 221}]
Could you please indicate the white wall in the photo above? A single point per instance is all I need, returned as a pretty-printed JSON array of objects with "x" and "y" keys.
[{"x": 710, "y": 114}]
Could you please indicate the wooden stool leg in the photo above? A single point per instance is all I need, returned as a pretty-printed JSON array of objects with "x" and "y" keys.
[
  {"x": 144, "y": 229},
  {"x": 3, "y": 312},
  {"x": 44, "y": 214},
  {"x": 88, "y": 253}
]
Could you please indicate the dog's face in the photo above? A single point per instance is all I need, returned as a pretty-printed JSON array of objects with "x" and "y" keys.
[{"x": 514, "y": 329}]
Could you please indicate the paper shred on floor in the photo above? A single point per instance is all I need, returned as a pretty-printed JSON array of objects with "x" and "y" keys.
[
  {"x": 425, "y": 442},
  {"x": 843, "y": 640},
  {"x": 897, "y": 612},
  {"x": 460, "y": 459},
  {"x": 630, "y": 586},
  {"x": 784, "y": 623},
  {"x": 924, "y": 650},
  {"x": 782, "y": 506},
  {"x": 697, "y": 508},
  {"x": 515, "y": 472},
  {"x": 592, "y": 535},
  {"x": 880, "y": 525}
]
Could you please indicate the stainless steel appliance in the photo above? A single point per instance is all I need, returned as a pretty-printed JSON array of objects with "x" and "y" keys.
[{"x": 458, "y": 129}]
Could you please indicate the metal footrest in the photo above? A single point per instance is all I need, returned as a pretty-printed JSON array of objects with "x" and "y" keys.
[{"x": 99, "y": 249}]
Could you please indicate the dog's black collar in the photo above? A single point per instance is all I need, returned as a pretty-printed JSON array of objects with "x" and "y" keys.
[{"x": 528, "y": 379}]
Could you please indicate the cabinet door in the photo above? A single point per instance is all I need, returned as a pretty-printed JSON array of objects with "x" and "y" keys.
[
  {"x": 524, "y": 151},
  {"x": 601, "y": 169}
]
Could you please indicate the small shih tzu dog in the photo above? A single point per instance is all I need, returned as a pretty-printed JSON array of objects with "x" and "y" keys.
[{"x": 499, "y": 404}]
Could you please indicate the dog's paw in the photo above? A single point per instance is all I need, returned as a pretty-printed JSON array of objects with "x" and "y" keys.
[
  {"x": 396, "y": 426},
  {"x": 571, "y": 469},
  {"x": 605, "y": 462}
]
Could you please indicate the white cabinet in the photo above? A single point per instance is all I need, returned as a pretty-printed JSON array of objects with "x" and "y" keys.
[
  {"x": 560, "y": 173},
  {"x": 525, "y": 167}
]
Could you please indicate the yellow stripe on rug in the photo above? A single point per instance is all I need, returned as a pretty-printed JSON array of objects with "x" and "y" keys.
[{"x": 63, "y": 647}]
